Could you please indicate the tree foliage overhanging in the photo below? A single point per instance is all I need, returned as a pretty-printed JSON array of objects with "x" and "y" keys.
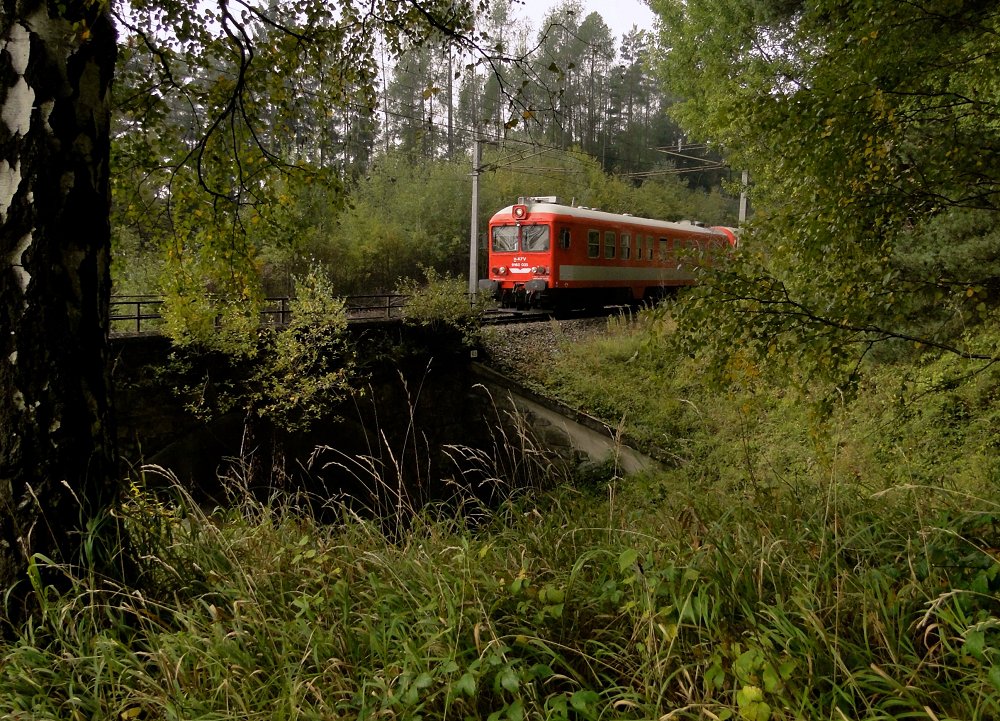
[
  {"x": 871, "y": 132},
  {"x": 226, "y": 111}
]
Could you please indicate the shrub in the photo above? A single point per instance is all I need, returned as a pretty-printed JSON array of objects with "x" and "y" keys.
[{"x": 441, "y": 302}]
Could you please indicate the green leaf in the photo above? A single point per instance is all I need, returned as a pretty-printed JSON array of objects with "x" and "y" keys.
[
  {"x": 515, "y": 712},
  {"x": 750, "y": 700},
  {"x": 466, "y": 684},
  {"x": 994, "y": 677},
  {"x": 715, "y": 676},
  {"x": 627, "y": 559},
  {"x": 423, "y": 680},
  {"x": 584, "y": 701},
  {"x": 509, "y": 679},
  {"x": 557, "y": 708},
  {"x": 770, "y": 677},
  {"x": 747, "y": 664},
  {"x": 540, "y": 672},
  {"x": 975, "y": 644},
  {"x": 554, "y": 611},
  {"x": 551, "y": 594}
]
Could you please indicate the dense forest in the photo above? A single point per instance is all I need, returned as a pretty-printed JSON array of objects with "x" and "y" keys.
[{"x": 819, "y": 536}]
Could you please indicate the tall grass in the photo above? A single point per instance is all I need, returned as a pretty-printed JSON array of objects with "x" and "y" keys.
[
  {"x": 848, "y": 606},
  {"x": 776, "y": 568}
]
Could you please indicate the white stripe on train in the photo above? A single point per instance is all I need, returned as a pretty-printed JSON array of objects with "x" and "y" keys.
[{"x": 653, "y": 276}]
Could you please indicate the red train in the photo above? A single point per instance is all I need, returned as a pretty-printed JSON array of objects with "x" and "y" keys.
[{"x": 544, "y": 254}]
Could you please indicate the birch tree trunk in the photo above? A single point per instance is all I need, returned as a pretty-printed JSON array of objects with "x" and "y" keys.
[{"x": 57, "y": 453}]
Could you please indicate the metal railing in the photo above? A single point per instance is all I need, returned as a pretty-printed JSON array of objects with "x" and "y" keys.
[
  {"x": 130, "y": 312},
  {"x": 383, "y": 306},
  {"x": 138, "y": 308}
]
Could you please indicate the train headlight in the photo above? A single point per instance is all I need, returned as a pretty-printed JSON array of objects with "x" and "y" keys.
[
  {"x": 540, "y": 270},
  {"x": 502, "y": 270},
  {"x": 520, "y": 212}
]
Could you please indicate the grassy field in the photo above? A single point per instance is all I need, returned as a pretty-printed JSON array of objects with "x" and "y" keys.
[{"x": 784, "y": 564}]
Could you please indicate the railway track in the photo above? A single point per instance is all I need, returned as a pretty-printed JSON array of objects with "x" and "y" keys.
[{"x": 507, "y": 316}]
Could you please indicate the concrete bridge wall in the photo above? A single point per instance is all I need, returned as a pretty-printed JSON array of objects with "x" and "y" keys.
[{"x": 423, "y": 399}]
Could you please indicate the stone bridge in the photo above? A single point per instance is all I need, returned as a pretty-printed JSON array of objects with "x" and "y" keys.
[{"x": 425, "y": 408}]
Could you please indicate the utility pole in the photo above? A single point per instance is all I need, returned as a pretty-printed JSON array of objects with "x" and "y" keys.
[
  {"x": 451, "y": 104},
  {"x": 743, "y": 197},
  {"x": 474, "y": 232}
]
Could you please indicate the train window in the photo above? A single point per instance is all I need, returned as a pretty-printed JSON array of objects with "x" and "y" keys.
[
  {"x": 564, "y": 238},
  {"x": 534, "y": 238},
  {"x": 663, "y": 249},
  {"x": 505, "y": 238},
  {"x": 638, "y": 247},
  {"x": 593, "y": 244},
  {"x": 610, "y": 243},
  {"x": 626, "y": 246},
  {"x": 649, "y": 247}
]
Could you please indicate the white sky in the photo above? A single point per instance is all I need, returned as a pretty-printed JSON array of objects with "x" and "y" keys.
[{"x": 620, "y": 15}]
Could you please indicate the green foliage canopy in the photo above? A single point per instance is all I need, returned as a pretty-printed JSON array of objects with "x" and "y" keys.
[{"x": 870, "y": 130}]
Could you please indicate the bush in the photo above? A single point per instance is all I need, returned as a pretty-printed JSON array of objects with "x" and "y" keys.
[
  {"x": 309, "y": 365},
  {"x": 442, "y": 302}
]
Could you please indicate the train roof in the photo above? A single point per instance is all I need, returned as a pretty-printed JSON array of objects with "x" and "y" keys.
[{"x": 602, "y": 216}]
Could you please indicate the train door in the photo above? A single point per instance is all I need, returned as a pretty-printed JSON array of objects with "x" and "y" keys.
[{"x": 562, "y": 252}]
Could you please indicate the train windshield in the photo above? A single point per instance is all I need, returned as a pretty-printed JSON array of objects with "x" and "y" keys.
[
  {"x": 505, "y": 238},
  {"x": 534, "y": 238}
]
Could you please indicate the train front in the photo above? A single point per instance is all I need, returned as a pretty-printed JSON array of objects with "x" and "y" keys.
[{"x": 520, "y": 256}]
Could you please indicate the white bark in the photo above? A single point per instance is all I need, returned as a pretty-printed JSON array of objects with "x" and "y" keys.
[{"x": 16, "y": 110}]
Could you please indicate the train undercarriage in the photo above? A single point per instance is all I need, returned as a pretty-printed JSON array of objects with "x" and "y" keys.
[{"x": 535, "y": 294}]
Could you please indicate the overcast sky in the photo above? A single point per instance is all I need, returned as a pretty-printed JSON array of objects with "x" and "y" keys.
[{"x": 620, "y": 15}]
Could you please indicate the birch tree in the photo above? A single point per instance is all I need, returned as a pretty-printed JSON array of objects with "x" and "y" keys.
[{"x": 57, "y": 451}]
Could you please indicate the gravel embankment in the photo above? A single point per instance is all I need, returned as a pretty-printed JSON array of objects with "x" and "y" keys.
[{"x": 515, "y": 348}]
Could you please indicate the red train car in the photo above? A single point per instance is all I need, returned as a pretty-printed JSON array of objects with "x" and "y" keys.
[{"x": 542, "y": 253}]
